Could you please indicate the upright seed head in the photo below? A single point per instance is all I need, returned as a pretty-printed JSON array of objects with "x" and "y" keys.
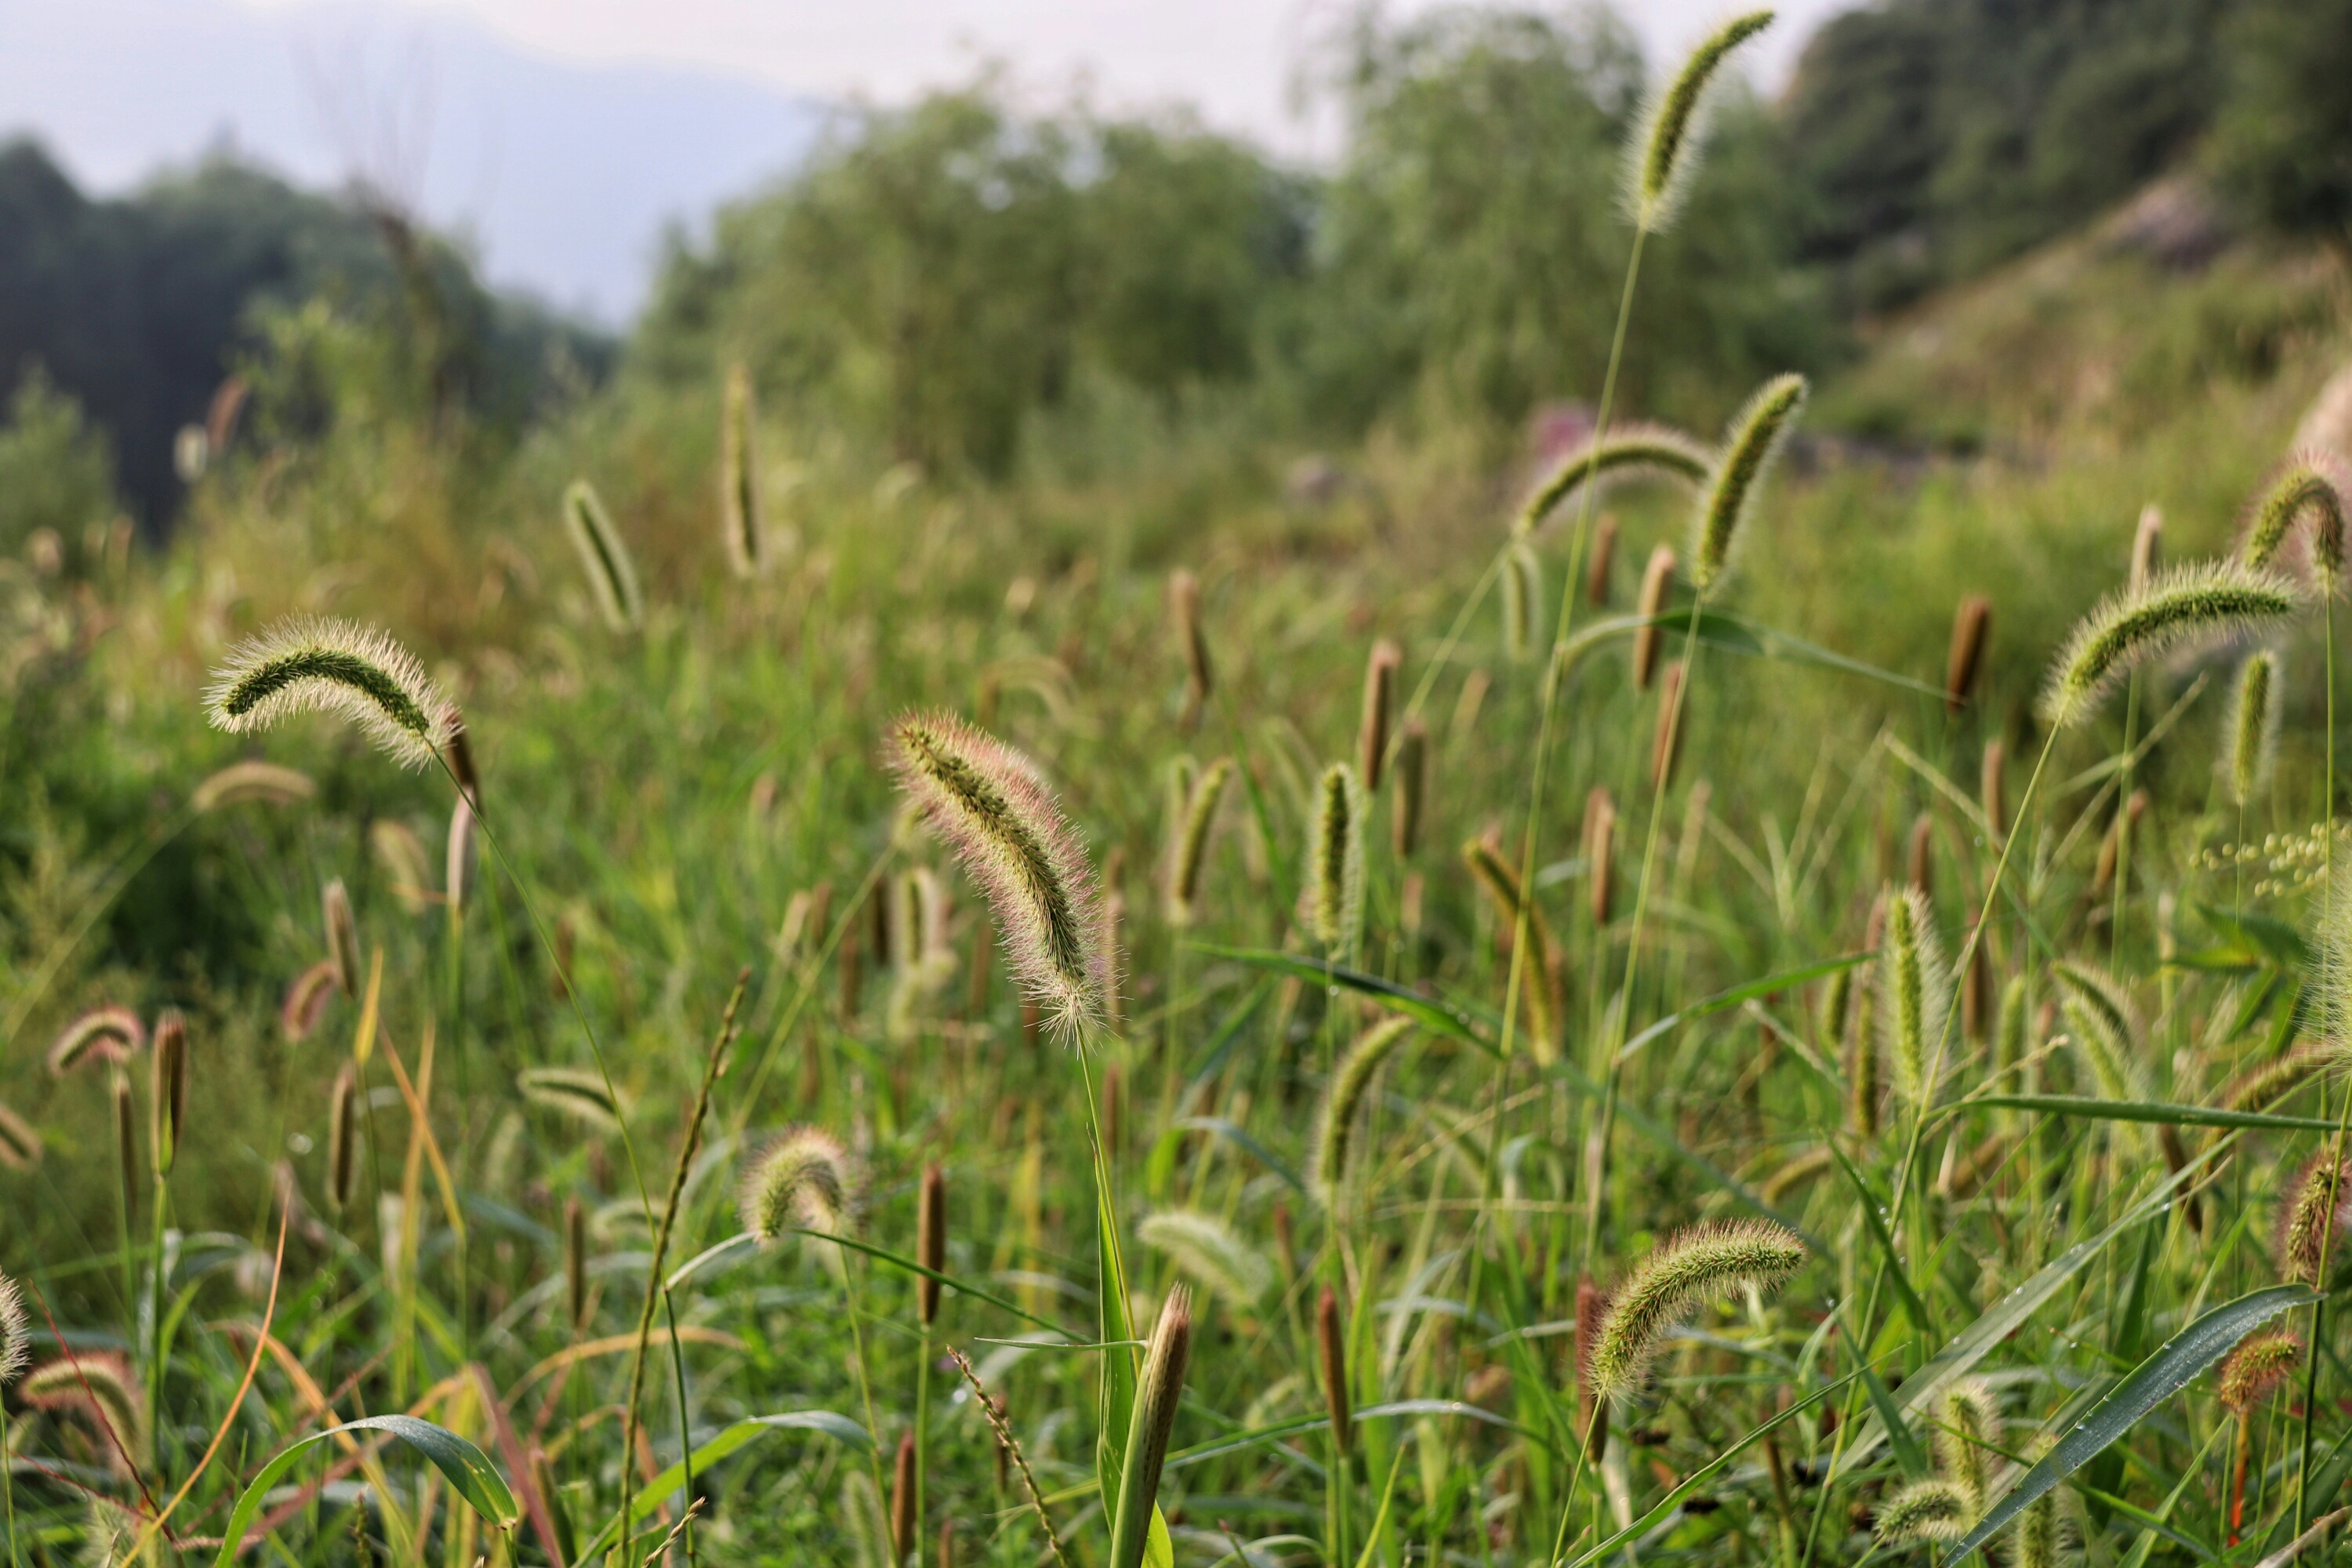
[
  {"x": 1605, "y": 557},
  {"x": 575, "y": 1263},
  {"x": 459, "y": 755},
  {"x": 1334, "y": 1127},
  {"x": 612, "y": 573},
  {"x": 1914, "y": 993},
  {"x": 802, "y": 1178},
  {"x": 1757, "y": 432},
  {"x": 1666, "y": 745},
  {"x": 1665, "y": 155},
  {"x": 902, "y": 1501},
  {"x": 1336, "y": 858},
  {"x": 306, "y": 998},
  {"x": 738, "y": 482},
  {"x": 2261, "y": 1362},
  {"x": 1970, "y": 1435},
  {"x": 1922, "y": 859},
  {"x": 1372, "y": 730},
  {"x": 1331, "y": 1344},
  {"x": 2319, "y": 1199},
  {"x": 1208, "y": 1248},
  {"x": 1657, "y": 582},
  {"x": 1976, "y": 990},
  {"x": 2195, "y": 606},
  {"x": 2111, "y": 846},
  {"x": 1189, "y": 854},
  {"x": 1157, "y": 1393},
  {"x": 1628, "y": 453},
  {"x": 334, "y": 666},
  {"x": 1523, "y": 600},
  {"x": 2254, "y": 727},
  {"x": 167, "y": 1098},
  {"x": 1932, "y": 1510},
  {"x": 2037, "y": 1527},
  {"x": 1837, "y": 1007},
  {"x": 342, "y": 937},
  {"x": 2334, "y": 968},
  {"x": 343, "y": 1137},
  {"x": 110, "y": 1035},
  {"x": 1184, "y": 609},
  {"x": 1409, "y": 806},
  {"x": 16, "y": 1335},
  {"x": 2148, "y": 547},
  {"x": 2305, "y": 491},
  {"x": 2099, "y": 1016},
  {"x": 102, "y": 1389},
  {"x": 1698, "y": 1265},
  {"x": 931, "y": 1241},
  {"x": 1990, "y": 792},
  {"x": 1971, "y": 628},
  {"x": 462, "y": 858},
  {"x": 20, "y": 1144},
  {"x": 990, "y": 803},
  {"x": 1599, "y": 851},
  {"x": 126, "y": 1138}
]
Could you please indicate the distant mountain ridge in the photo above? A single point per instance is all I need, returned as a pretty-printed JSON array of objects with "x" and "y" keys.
[{"x": 562, "y": 174}]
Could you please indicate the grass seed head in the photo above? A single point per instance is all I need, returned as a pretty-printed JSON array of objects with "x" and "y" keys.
[
  {"x": 1626, "y": 454},
  {"x": 126, "y": 1136},
  {"x": 2318, "y": 1198},
  {"x": 1331, "y": 1349},
  {"x": 575, "y": 1262},
  {"x": 2261, "y": 1363},
  {"x": 902, "y": 1501},
  {"x": 461, "y": 856},
  {"x": 2037, "y": 1527},
  {"x": 1523, "y": 600},
  {"x": 1970, "y": 1435},
  {"x": 1600, "y": 840},
  {"x": 931, "y": 1241},
  {"x": 1932, "y": 1510},
  {"x": 1991, "y": 791},
  {"x": 2191, "y": 608},
  {"x": 1914, "y": 993},
  {"x": 1665, "y": 155},
  {"x": 2305, "y": 491},
  {"x": 167, "y": 1100},
  {"x": 1604, "y": 558},
  {"x": 252, "y": 780},
  {"x": 103, "y": 1390},
  {"x": 1666, "y": 745},
  {"x": 313, "y": 666},
  {"x": 306, "y": 998},
  {"x": 16, "y": 1335},
  {"x": 342, "y": 937},
  {"x": 1335, "y": 1126},
  {"x": 2099, "y": 1017},
  {"x": 2148, "y": 547},
  {"x": 2260, "y": 1087},
  {"x": 1750, "y": 447},
  {"x": 2254, "y": 727},
  {"x": 20, "y": 1143},
  {"x": 1698, "y": 1265},
  {"x": 991, "y": 804},
  {"x": 739, "y": 479},
  {"x": 1184, "y": 609},
  {"x": 1157, "y": 1393},
  {"x": 1409, "y": 805},
  {"x": 1189, "y": 855},
  {"x": 803, "y": 1177},
  {"x": 1657, "y": 584},
  {"x": 343, "y": 1137},
  {"x": 612, "y": 572},
  {"x": 1210, "y": 1250},
  {"x": 1336, "y": 860},
  {"x": 1971, "y": 631},
  {"x": 1372, "y": 728},
  {"x": 579, "y": 1093},
  {"x": 110, "y": 1035}
]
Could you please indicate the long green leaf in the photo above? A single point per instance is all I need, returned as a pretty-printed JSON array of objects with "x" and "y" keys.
[
  {"x": 471, "y": 1474},
  {"x": 2151, "y": 1111},
  {"x": 1875, "y": 1216},
  {"x": 1724, "y": 1001},
  {"x": 1436, "y": 1016},
  {"x": 1732, "y": 633},
  {"x": 2154, "y": 1381},
  {"x": 950, "y": 1280},
  {"x": 665, "y": 1485}
]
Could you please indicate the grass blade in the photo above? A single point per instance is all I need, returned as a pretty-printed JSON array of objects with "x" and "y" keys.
[{"x": 470, "y": 1473}]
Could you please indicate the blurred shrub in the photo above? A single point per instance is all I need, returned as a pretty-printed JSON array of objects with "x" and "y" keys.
[{"x": 55, "y": 471}]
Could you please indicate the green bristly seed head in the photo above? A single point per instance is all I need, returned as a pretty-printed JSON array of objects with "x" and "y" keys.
[
  {"x": 2099, "y": 1016},
  {"x": 103, "y": 1390},
  {"x": 2262, "y": 1361},
  {"x": 335, "y": 667},
  {"x": 16, "y": 1341},
  {"x": 1207, "y": 1249},
  {"x": 1914, "y": 993},
  {"x": 1668, "y": 148},
  {"x": 2253, "y": 726},
  {"x": 802, "y": 1178},
  {"x": 1699, "y": 1264},
  {"x": 1335, "y": 1128},
  {"x": 1757, "y": 432},
  {"x": 2260, "y": 1087},
  {"x": 1190, "y": 853},
  {"x": 577, "y": 1092},
  {"x": 2321, "y": 1189},
  {"x": 1969, "y": 1437},
  {"x": 1522, "y": 599},
  {"x": 2187, "y": 608},
  {"x": 2303, "y": 489},
  {"x": 1336, "y": 858},
  {"x": 612, "y": 573},
  {"x": 1629, "y": 453},
  {"x": 1934, "y": 1510}
]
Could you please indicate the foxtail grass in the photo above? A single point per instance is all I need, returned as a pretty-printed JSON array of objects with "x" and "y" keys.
[
  {"x": 2252, "y": 727},
  {"x": 2183, "y": 609},
  {"x": 1409, "y": 803},
  {"x": 1211, "y": 1251},
  {"x": 109, "y": 1034},
  {"x": 1971, "y": 631},
  {"x": 1686, "y": 1270},
  {"x": 1754, "y": 441},
  {"x": 1915, "y": 994},
  {"x": 339, "y": 667},
  {"x": 1335, "y": 1122},
  {"x": 1657, "y": 582},
  {"x": 1629, "y": 452},
  {"x": 1372, "y": 727},
  {"x": 739, "y": 479},
  {"x": 1666, "y": 152},
  {"x": 1335, "y": 861},
  {"x": 605, "y": 558},
  {"x": 1159, "y": 1388}
]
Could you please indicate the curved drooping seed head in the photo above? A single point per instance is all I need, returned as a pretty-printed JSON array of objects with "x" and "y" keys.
[
  {"x": 342, "y": 1136},
  {"x": 103, "y": 1389},
  {"x": 1626, "y": 454},
  {"x": 2305, "y": 491},
  {"x": 1698, "y": 1265},
  {"x": 605, "y": 557},
  {"x": 16, "y": 1335},
  {"x": 2318, "y": 1198},
  {"x": 2254, "y": 727},
  {"x": 1380, "y": 695},
  {"x": 579, "y": 1093},
  {"x": 1157, "y": 1393},
  {"x": 307, "y": 666},
  {"x": 1190, "y": 852},
  {"x": 802, "y": 1178},
  {"x": 252, "y": 780},
  {"x": 20, "y": 1144},
  {"x": 1334, "y": 1127},
  {"x": 1410, "y": 805},
  {"x": 1336, "y": 858},
  {"x": 992, "y": 805},
  {"x": 1523, "y": 598},
  {"x": 167, "y": 1102},
  {"x": 2265, "y": 1084},
  {"x": 1969, "y": 1435},
  {"x": 110, "y": 1035},
  {"x": 1657, "y": 582},
  {"x": 1914, "y": 993},
  {"x": 739, "y": 479},
  {"x": 1971, "y": 629},
  {"x": 1664, "y": 156},
  {"x": 1932, "y": 1510},
  {"x": 1210, "y": 1250},
  {"x": 342, "y": 937},
  {"x": 1808, "y": 1166},
  {"x": 2148, "y": 547},
  {"x": 2196, "y": 606},
  {"x": 306, "y": 999},
  {"x": 1757, "y": 432},
  {"x": 2099, "y": 1016},
  {"x": 2263, "y": 1360}
]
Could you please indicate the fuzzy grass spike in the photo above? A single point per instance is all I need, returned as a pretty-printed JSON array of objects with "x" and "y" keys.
[
  {"x": 1157, "y": 1393},
  {"x": 321, "y": 666},
  {"x": 739, "y": 478},
  {"x": 802, "y": 1178},
  {"x": 1698, "y": 1265},
  {"x": 1665, "y": 154},
  {"x": 2183, "y": 609},
  {"x": 1915, "y": 992},
  {"x": 1628, "y": 453},
  {"x": 2303, "y": 489},
  {"x": 112, "y": 1034},
  {"x": 1336, "y": 860},
  {"x": 1753, "y": 443},
  {"x": 2254, "y": 727},
  {"x": 1932, "y": 1510},
  {"x": 1334, "y": 1127},
  {"x": 579, "y": 1093},
  {"x": 1206, "y": 1247},
  {"x": 612, "y": 570}
]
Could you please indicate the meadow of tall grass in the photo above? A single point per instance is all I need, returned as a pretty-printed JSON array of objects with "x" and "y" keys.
[{"x": 694, "y": 994}]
